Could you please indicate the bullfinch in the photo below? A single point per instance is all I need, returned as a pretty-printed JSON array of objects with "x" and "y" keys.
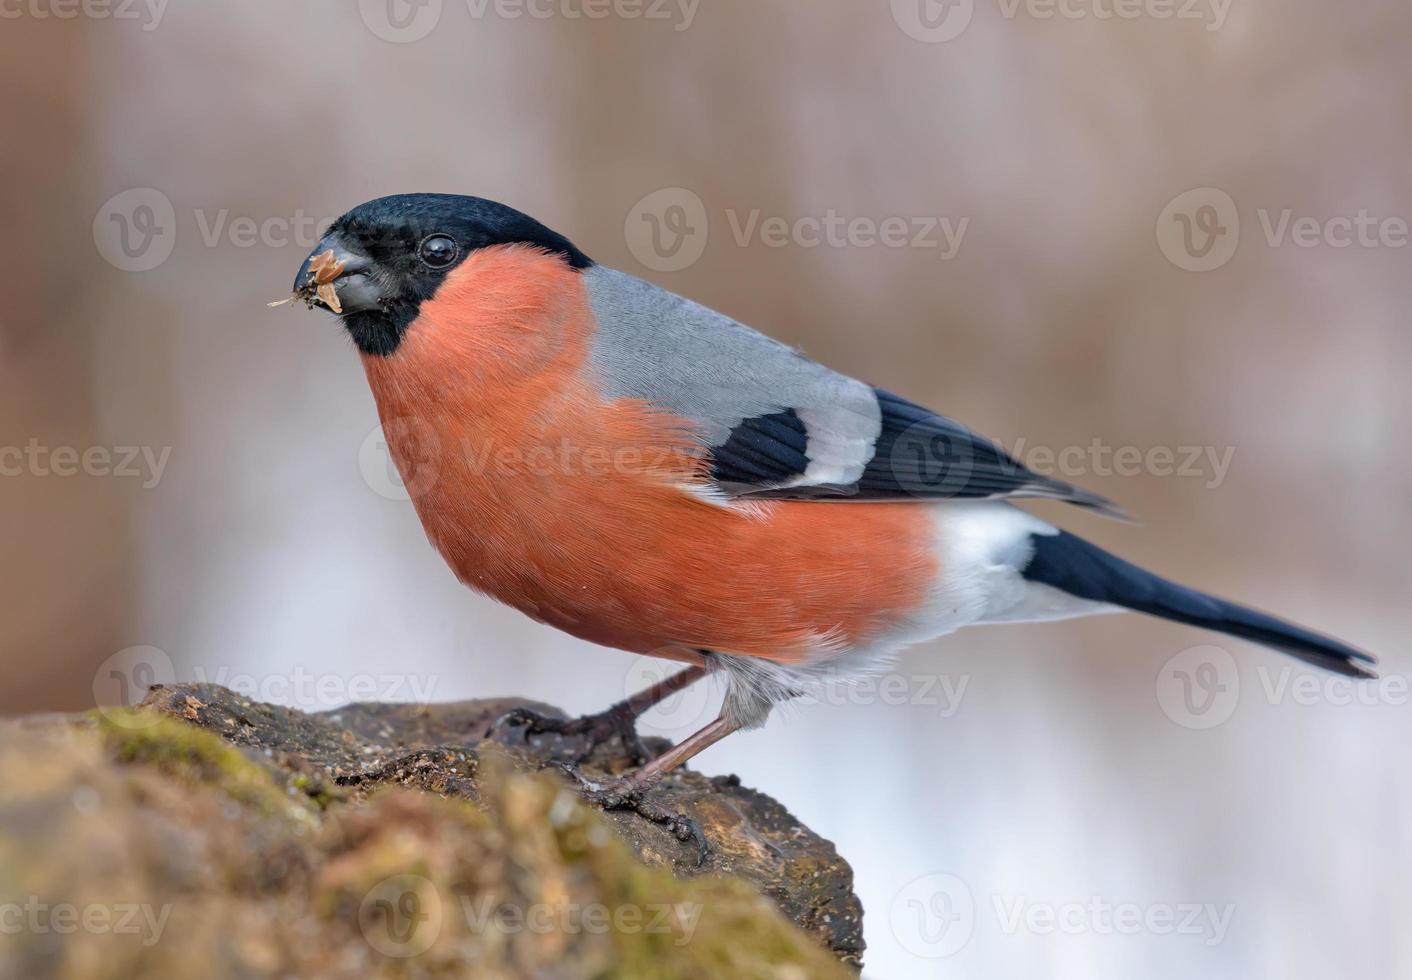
[{"x": 643, "y": 472}]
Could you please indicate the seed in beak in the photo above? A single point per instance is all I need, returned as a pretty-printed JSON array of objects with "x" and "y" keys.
[{"x": 324, "y": 268}]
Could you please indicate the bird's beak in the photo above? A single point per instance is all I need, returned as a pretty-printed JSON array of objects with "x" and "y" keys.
[{"x": 338, "y": 278}]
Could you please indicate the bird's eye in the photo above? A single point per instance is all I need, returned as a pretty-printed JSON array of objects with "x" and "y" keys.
[{"x": 438, "y": 251}]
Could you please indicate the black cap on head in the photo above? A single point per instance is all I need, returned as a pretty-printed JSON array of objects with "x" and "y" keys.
[{"x": 395, "y": 251}]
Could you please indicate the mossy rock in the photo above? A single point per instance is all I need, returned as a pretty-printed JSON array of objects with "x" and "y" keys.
[{"x": 207, "y": 835}]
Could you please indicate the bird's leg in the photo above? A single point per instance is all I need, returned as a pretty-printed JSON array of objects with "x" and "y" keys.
[
  {"x": 626, "y": 792},
  {"x": 677, "y": 755},
  {"x": 618, "y": 721}
]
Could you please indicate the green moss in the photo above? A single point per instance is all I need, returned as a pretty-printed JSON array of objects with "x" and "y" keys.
[
  {"x": 198, "y": 757},
  {"x": 527, "y": 837},
  {"x": 711, "y": 926},
  {"x": 721, "y": 927},
  {"x": 317, "y": 792}
]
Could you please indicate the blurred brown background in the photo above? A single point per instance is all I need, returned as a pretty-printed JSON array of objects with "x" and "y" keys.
[{"x": 270, "y": 550}]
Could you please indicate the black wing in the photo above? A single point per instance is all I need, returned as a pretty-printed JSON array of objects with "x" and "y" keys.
[{"x": 913, "y": 454}]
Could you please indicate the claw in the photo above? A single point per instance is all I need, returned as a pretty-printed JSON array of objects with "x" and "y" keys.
[
  {"x": 597, "y": 730},
  {"x": 628, "y": 794},
  {"x": 624, "y": 793},
  {"x": 516, "y": 717}
]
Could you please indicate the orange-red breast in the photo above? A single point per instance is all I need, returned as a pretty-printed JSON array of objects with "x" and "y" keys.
[{"x": 646, "y": 473}]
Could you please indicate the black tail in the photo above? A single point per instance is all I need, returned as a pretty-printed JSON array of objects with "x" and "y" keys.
[{"x": 1074, "y": 566}]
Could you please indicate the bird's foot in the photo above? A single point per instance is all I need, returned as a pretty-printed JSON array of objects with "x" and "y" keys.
[
  {"x": 629, "y": 793},
  {"x": 581, "y": 738}
]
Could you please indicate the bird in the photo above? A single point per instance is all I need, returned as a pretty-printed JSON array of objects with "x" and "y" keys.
[{"x": 643, "y": 472}]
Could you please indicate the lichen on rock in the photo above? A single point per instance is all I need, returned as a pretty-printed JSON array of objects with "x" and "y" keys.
[{"x": 207, "y": 834}]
